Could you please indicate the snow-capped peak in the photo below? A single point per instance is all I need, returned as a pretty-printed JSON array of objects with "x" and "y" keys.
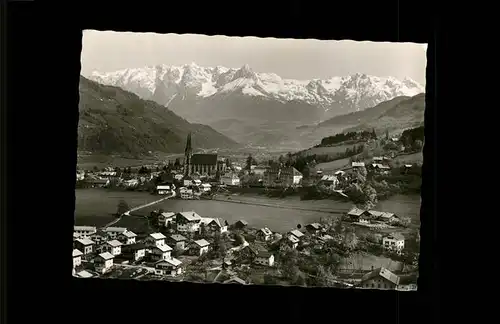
[{"x": 358, "y": 91}]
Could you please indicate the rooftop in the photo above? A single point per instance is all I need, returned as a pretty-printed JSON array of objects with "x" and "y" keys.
[
  {"x": 382, "y": 272},
  {"x": 114, "y": 243},
  {"x": 85, "y": 241},
  {"x": 297, "y": 233},
  {"x": 85, "y": 228},
  {"x": 84, "y": 274},
  {"x": 115, "y": 229},
  {"x": 358, "y": 164},
  {"x": 76, "y": 253},
  {"x": 315, "y": 225},
  {"x": 177, "y": 237},
  {"x": 355, "y": 212},
  {"x": 395, "y": 236},
  {"x": 163, "y": 248},
  {"x": 293, "y": 239},
  {"x": 191, "y": 216},
  {"x": 106, "y": 256},
  {"x": 235, "y": 280},
  {"x": 202, "y": 243},
  {"x": 168, "y": 214},
  {"x": 204, "y": 159},
  {"x": 157, "y": 236},
  {"x": 266, "y": 231}
]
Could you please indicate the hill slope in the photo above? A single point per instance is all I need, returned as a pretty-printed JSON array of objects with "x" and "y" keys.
[
  {"x": 408, "y": 113},
  {"x": 113, "y": 120}
]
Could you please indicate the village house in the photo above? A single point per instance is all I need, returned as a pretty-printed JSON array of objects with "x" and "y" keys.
[
  {"x": 161, "y": 252},
  {"x": 178, "y": 241},
  {"x": 163, "y": 189},
  {"x": 97, "y": 183},
  {"x": 408, "y": 283},
  {"x": 164, "y": 218},
  {"x": 114, "y": 247},
  {"x": 83, "y": 274},
  {"x": 113, "y": 232},
  {"x": 187, "y": 221},
  {"x": 155, "y": 239},
  {"x": 330, "y": 181},
  {"x": 377, "y": 159},
  {"x": 355, "y": 214},
  {"x": 127, "y": 237},
  {"x": 382, "y": 216},
  {"x": 241, "y": 224},
  {"x": 205, "y": 187},
  {"x": 230, "y": 179},
  {"x": 197, "y": 182},
  {"x": 394, "y": 242},
  {"x": 313, "y": 228},
  {"x": 77, "y": 258},
  {"x": 80, "y": 175},
  {"x": 292, "y": 241},
  {"x": 84, "y": 245},
  {"x": 282, "y": 177},
  {"x": 84, "y": 231},
  {"x": 325, "y": 238},
  {"x": 104, "y": 262},
  {"x": 264, "y": 234},
  {"x": 259, "y": 170},
  {"x": 380, "y": 278},
  {"x": 377, "y": 167},
  {"x": 264, "y": 258},
  {"x": 178, "y": 176},
  {"x": 134, "y": 252},
  {"x": 214, "y": 225},
  {"x": 99, "y": 237},
  {"x": 364, "y": 219},
  {"x": 200, "y": 247},
  {"x": 186, "y": 193},
  {"x": 298, "y": 234},
  {"x": 170, "y": 267}
]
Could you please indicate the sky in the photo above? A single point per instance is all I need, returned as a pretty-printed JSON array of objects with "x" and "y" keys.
[{"x": 303, "y": 59}]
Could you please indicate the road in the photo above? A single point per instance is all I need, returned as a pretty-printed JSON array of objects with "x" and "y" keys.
[{"x": 127, "y": 213}]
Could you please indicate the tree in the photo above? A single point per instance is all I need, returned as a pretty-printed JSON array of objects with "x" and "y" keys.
[
  {"x": 177, "y": 163},
  {"x": 203, "y": 230},
  {"x": 370, "y": 197},
  {"x": 374, "y": 135},
  {"x": 122, "y": 207},
  {"x": 228, "y": 163},
  {"x": 289, "y": 159},
  {"x": 386, "y": 134},
  {"x": 157, "y": 169},
  {"x": 281, "y": 160},
  {"x": 350, "y": 240},
  {"x": 95, "y": 168},
  {"x": 418, "y": 145},
  {"x": 324, "y": 277},
  {"x": 249, "y": 162}
]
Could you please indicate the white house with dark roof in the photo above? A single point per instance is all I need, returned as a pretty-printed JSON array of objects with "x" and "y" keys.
[
  {"x": 127, "y": 237},
  {"x": 394, "y": 242},
  {"x": 355, "y": 214},
  {"x": 155, "y": 239},
  {"x": 114, "y": 247},
  {"x": 113, "y": 232},
  {"x": 358, "y": 164},
  {"x": 104, "y": 262},
  {"x": 188, "y": 221},
  {"x": 264, "y": 234},
  {"x": 77, "y": 258},
  {"x": 200, "y": 247},
  {"x": 313, "y": 228},
  {"x": 161, "y": 252},
  {"x": 163, "y": 189},
  {"x": 84, "y": 245},
  {"x": 264, "y": 258},
  {"x": 165, "y": 218},
  {"x": 214, "y": 225},
  {"x": 380, "y": 278},
  {"x": 169, "y": 267},
  {"x": 84, "y": 231}
]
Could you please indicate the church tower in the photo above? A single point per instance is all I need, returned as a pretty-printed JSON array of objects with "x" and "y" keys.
[{"x": 188, "y": 152}]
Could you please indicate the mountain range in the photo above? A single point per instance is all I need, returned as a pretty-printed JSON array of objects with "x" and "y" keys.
[
  {"x": 113, "y": 120},
  {"x": 256, "y": 109}
]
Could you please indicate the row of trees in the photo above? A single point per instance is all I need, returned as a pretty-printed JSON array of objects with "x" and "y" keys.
[{"x": 342, "y": 137}]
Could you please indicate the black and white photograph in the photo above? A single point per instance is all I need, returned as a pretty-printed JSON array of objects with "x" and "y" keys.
[{"x": 249, "y": 161}]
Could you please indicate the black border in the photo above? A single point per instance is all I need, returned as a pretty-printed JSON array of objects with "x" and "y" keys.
[{"x": 43, "y": 76}]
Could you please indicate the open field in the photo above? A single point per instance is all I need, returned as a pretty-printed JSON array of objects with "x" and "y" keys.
[
  {"x": 365, "y": 261},
  {"x": 410, "y": 158}
]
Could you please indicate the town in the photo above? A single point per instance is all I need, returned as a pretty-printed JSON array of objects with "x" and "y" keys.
[{"x": 183, "y": 245}]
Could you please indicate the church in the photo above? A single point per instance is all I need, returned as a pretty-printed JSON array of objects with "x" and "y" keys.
[{"x": 207, "y": 164}]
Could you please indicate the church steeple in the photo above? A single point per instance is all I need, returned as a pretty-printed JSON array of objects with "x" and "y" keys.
[{"x": 187, "y": 155}]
